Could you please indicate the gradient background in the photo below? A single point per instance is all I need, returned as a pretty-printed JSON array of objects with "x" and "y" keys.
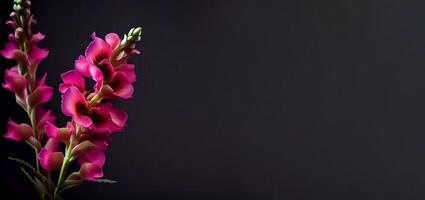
[{"x": 249, "y": 99}]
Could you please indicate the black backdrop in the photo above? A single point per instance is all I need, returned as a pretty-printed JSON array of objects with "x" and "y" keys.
[{"x": 250, "y": 99}]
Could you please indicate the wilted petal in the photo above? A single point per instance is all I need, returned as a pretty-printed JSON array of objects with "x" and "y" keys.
[
  {"x": 18, "y": 132},
  {"x": 72, "y": 78}
]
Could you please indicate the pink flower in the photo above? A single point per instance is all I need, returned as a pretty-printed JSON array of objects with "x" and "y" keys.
[
  {"x": 72, "y": 78},
  {"x": 43, "y": 117},
  {"x": 91, "y": 165},
  {"x": 40, "y": 95},
  {"x": 12, "y": 51},
  {"x": 100, "y": 140},
  {"x": 74, "y": 104},
  {"x": 18, "y": 132},
  {"x": 35, "y": 54},
  {"x": 107, "y": 119},
  {"x": 119, "y": 86},
  {"x": 14, "y": 82},
  {"x": 62, "y": 134},
  {"x": 50, "y": 159},
  {"x": 97, "y": 65}
]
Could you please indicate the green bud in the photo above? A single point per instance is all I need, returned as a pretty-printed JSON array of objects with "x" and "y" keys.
[
  {"x": 17, "y": 8},
  {"x": 138, "y": 31},
  {"x": 17, "y": 1}
]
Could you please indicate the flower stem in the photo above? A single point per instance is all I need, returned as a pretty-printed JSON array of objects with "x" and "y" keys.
[{"x": 65, "y": 164}]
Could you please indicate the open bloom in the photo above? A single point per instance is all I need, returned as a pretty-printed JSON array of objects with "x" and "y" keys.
[
  {"x": 75, "y": 105},
  {"x": 97, "y": 64}
]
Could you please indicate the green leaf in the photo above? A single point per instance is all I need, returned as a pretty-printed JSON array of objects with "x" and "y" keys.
[
  {"x": 104, "y": 180},
  {"x": 45, "y": 181},
  {"x": 73, "y": 180}
]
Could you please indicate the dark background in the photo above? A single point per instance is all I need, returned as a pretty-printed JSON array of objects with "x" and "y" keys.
[{"x": 249, "y": 99}]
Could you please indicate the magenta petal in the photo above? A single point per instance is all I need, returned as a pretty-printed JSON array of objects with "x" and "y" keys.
[
  {"x": 94, "y": 156},
  {"x": 128, "y": 70},
  {"x": 51, "y": 130},
  {"x": 43, "y": 117},
  {"x": 121, "y": 86},
  {"x": 90, "y": 171},
  {"x": 98, "y": 50},
  {"x": 72, "y": 78},
  {"x": 14, "y": 82},
  {"x": 11, "y": 23},
  {"x": 42, "y": 81},
  {"x": 37, "y": 54},
  {"x": 118, "y": 116},
  {"x": 113, "y": 40},
  {"x": 18, "y": 132},
  {"x": 83, "y": 121},
  {"x": 40, "y": 95},
  {"x": 96, "y": 75},
  {"x": 50, "y": 160},
  {"x": 81, "y": 65},
  {"x": 71, "y": 99}
]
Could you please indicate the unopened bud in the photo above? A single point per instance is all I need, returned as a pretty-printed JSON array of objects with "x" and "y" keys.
[
  {"x": 18, "y": 32},
  {"x": 27, "y": 4},
  {"x": 27, "y": 12},
  {"x": 17, "y": 8}
]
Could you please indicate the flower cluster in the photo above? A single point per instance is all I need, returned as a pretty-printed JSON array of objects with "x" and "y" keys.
[
  {"x": 21, "y": 79},
  {"x": 93, "y": 117}
]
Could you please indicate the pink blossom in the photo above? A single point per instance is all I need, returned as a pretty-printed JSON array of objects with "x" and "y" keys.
[
  {"x": 35, "y": 54},
  {"x": 107, "y": 119},
  {"x": 18, "y": 132},
  {"x": 44, "y": 117},
  {"x": 72, "y": 78},
  {"x": 62, "y": 134},
  {"x": 50, "y": 158},
  {"x": 92, "y": 164},
  {"x": 97, "y": 65},
  {"x": 75, "y": 105},
  {"x": 14, "y": 82}
]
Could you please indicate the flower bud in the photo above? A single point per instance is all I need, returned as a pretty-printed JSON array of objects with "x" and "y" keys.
[{"x": 18, "y": 32}]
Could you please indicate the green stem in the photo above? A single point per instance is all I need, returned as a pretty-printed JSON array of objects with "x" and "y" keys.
[{"x": 65, "y": 164}]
